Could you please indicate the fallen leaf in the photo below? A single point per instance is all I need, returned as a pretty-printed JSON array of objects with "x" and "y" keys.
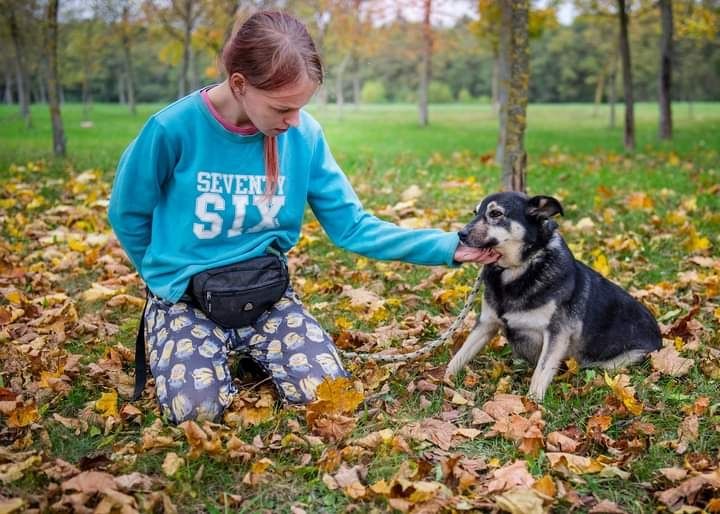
[
  {"x": 509, "y": 476},
  {"x": 673, "y": 474},
  {"x": 11, "y": 505},
  {"x": 689, "y": 488},
  {"x": 667, "y": 360},
  {"x": 606, "y": 507},
  {"x": 520, "y": 500},
  {"x": 688, "y": 432},
  {"x": 107, "y": 404},
  {"x": 172, "y": 463},
  {"x": 15, "y": 470},
  {"x": 624, "y": 392},
  {"x": 90, "y": 482}
]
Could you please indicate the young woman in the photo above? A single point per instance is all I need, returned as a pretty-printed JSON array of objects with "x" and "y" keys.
[{"x": 223, "y": 175}]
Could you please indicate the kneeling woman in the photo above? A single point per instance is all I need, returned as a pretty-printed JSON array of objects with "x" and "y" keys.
[{"x": 221, "y": 177}]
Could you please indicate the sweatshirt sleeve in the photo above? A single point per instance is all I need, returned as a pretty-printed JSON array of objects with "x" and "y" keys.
[
  {"x": 141, "y": 172},
  {"x": 349, "y": 226}
]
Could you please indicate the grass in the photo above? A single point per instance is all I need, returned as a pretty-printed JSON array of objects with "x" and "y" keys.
[{"x": 572, "y": 154}]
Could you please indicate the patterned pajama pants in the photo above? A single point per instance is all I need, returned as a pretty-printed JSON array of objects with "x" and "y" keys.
[{"x": 188, "y": 355}]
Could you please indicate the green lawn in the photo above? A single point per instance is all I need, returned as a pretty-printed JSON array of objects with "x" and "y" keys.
[{"x": 649, "y": 219}]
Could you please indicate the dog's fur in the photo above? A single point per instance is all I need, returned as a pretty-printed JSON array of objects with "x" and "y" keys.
[{"x": 549, "y": 306}]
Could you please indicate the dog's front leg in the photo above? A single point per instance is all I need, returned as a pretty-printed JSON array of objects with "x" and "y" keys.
[
  {"x": 484, "y": 330},
  {"x": 554, "y": 350}
]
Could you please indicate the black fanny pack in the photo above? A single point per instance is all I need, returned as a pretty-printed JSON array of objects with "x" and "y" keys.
[{"x": 234, "y": 296}]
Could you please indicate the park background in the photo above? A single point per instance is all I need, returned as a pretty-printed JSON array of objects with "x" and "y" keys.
[{"x": 417, "y": 106}]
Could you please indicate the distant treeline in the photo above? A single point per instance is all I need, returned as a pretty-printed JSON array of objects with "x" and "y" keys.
[{"x": 103, "y": 47}]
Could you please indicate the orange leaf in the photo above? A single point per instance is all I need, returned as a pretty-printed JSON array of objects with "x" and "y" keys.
[{"x": 23, "y": 416}]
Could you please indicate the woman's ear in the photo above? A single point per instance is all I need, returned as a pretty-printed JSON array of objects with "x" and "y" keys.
[{"x": 238, "y": 84}]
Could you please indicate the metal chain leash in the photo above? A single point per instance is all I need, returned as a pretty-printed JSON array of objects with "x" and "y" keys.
[{"x": 432, "y": 345}]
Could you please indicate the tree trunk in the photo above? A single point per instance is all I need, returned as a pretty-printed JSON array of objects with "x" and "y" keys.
[
  {"x": 499, "y": 72},
  {"x": 127, "y": 58},
  {"x": 513, "y": 109},
  {"x": 356, "y": 85},
  {"x": 665, "y": 82},
  {"x": 121, "y": 88},
  {"x": 53, "y": 80},
  {"x": 612, "y": 94},
  {"x": 629, "y": 138},
  {"x": 8, "y": 86},
  {"x": 599, "y": 89},
  {"x": 340, "y": 101},
  {"x": 188, "y": 15},
  {"x": 21, "y": 78},
  {"x": 425, "y": 64}
]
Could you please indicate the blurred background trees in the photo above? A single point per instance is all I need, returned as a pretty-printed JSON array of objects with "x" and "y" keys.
[{"x": 155, "y": 50}]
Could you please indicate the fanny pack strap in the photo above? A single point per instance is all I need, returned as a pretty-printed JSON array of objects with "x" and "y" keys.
[{"x": 140, "y": 361}]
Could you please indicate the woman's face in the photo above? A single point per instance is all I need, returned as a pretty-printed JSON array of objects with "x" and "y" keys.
[{"x": 273, "y": 112}]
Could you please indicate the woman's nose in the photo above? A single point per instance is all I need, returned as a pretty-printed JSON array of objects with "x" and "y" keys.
[{"x": 293, "y": 119}]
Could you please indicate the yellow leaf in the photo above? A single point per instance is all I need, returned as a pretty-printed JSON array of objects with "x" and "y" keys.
[
  {"x": 343, "y": 323},
  {"x": 600, "y": 264},
  {"x": 624, "y": 392},
  {"x": 107, "y": 404},
  {"x": 14, "y": 296},
  {"x": 77, "y": 246},
  {"x": 696, "y": 242},
  {"x": 334, "y": 396}
]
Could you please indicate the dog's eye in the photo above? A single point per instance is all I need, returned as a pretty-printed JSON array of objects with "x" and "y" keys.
[{"x": 495, "y": 213}]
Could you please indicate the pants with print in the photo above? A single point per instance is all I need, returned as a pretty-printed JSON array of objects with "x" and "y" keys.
[{"x": 188, "y": 355}]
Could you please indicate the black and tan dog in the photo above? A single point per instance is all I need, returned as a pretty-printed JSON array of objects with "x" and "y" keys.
[{"x": 550, "y": 306}]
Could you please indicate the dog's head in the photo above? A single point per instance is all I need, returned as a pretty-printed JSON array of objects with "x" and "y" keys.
[{"x": 512, "y": 224}]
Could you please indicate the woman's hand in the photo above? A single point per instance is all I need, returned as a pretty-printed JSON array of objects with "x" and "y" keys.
[{"x": 480, "y": 255}]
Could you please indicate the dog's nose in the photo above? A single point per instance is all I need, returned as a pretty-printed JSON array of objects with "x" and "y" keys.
[{"x": 463, "y": 234}]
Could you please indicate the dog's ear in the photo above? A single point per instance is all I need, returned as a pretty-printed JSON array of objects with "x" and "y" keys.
[{"x": 543, "y": 207}]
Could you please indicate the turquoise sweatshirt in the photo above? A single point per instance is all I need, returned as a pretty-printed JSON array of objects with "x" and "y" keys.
[{"x": 189, "y": 195}]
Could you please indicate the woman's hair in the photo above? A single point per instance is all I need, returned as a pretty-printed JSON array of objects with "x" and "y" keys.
[{"x": 271, "y": 50}]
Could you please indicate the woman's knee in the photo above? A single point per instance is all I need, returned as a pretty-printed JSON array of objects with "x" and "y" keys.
[{"x": 188, "y": 403}]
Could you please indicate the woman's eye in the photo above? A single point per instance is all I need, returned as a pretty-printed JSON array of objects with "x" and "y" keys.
[{"x": 495, "y": 214}]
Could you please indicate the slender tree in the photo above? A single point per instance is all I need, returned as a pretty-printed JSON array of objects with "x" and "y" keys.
[
  {"x": 21, "y": 77},
  {"x": 629, "y": 138},
  {"x": 53, "y": 80},
  {"x": 665, "y": 78},
  {"x": 515, "y": 69},
  {"x": 425, "y": 63}
]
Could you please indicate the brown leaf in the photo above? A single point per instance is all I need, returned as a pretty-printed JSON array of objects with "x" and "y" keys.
[
  {"x": 509, "y": 476},
  {"x": 348, "y": 479},
  {"x": 333, "y": 427},
  {"x": 688, "y": 489},
  {"x": 667, "y": 360},
  {"x": 687, "y": 433},
  {"x": 606, "y": 507},
  {"x": 90, "y": 482},
  {"x": 502, "y": 405},
  {"x": 559, "y": 442},
  {"x": 673, "y": 474},
  {"x": 437, "y": 431}
]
